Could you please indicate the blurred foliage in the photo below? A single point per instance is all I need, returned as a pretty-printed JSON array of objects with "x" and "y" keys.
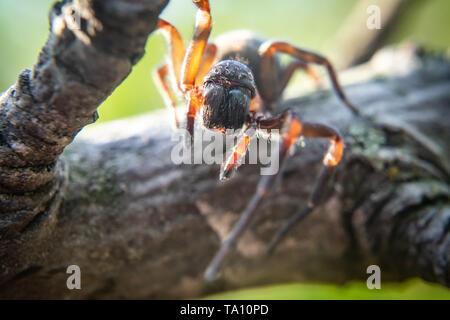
[
  {"x": 409, "y": 290},
  {"x": 312, "y": 24}
]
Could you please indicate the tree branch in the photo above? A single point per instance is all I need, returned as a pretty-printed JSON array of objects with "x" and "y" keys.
[{"x": 92, "y": 47}]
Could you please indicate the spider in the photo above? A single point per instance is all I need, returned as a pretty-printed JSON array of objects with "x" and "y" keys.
[{"x": 236, "y": 83}]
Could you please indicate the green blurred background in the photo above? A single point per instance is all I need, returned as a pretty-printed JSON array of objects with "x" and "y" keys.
[{"x": 312, "y": 24}]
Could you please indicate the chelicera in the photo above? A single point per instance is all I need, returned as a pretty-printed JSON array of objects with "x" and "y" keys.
[{"x": 236, "y": 82}]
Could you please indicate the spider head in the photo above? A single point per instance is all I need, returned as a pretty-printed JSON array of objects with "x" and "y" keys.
[{"x": 227, "y": 90}]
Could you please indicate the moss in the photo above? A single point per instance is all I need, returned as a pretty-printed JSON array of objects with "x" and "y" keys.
[
  {"x": 99, "y": 183},
  {"x": 372, "y": 145},
  {"x": 366, "y": 140},
  {"x": 392, "y": 172}
]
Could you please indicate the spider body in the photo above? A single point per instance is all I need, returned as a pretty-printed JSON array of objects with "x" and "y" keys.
[
  {"x": 235, "y": 83},
  {"x": 227, "y": 91}
]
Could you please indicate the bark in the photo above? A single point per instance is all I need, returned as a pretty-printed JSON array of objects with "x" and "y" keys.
[
  {"x": 140, "y": 226},
  {"x": 92, "y": 47}
]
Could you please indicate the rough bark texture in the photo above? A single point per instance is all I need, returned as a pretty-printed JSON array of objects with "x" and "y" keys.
[
  {"x": 140, "y": 226},
  {"x": 91, "y": 49}
]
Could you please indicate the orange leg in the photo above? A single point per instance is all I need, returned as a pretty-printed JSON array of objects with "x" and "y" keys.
[
  {"x": 195, "y": 101},
  {"x": 331, "y": 159},
  {"x": 192, "y": 61},
  {"x": 239, "y": 151},
  {"x": 176, "y": 48},
  {"x": 290, "y": 129},
  {"x": 336, "y": 149},
  {"x": 197, "y": 45},
  {"x": 186, "y": 64},
  {"x": 159, "y": 77},
  {"x": 268, "y": 49},
  {"x": 209, "y": 56}
]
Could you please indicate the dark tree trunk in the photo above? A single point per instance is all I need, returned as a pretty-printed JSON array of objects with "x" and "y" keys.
[{"x": 140, "y": 226}]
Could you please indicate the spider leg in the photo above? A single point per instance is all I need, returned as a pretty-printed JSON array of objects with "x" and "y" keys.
[
  {"x": 176, "y": 53},
  {"x": 332, "y": 158},
  {"x": 313, "y": 200},
  {"x": 195, "y": 96},
  {"x": 195, "y": 101},
  {"x": 159, "y": 76},
  {"x": 290, "y": 69},
  {"x": 268, "y": 49},
  {"x": 176, "y": 48},
  {"x": 194, "y": 52},
  {"x": 192, "y": 61},
  {"x": 239, "y": 228},
  {"x": 239, "y": 151},
  {"x": 209, "y": 56},
  {"x": 273, "y": 83},
  {"x": 291, "y": 129}
]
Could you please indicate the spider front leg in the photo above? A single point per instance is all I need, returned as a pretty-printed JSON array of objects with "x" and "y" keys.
[
  {"x": 239, "y": 151},
  {"x": 195, "y": 99},
  {"x": 291, "y": 128},
  {"x": 159, "y": 77},
  {"x": 176, "y": 54},
  {"x": 192, "y": 61},
  {"x": 267, "y": 52},
  {"x": 194, "y": 52},
  {"x": 187, "y": 64},
  {"x": 208, "y": 58}
]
